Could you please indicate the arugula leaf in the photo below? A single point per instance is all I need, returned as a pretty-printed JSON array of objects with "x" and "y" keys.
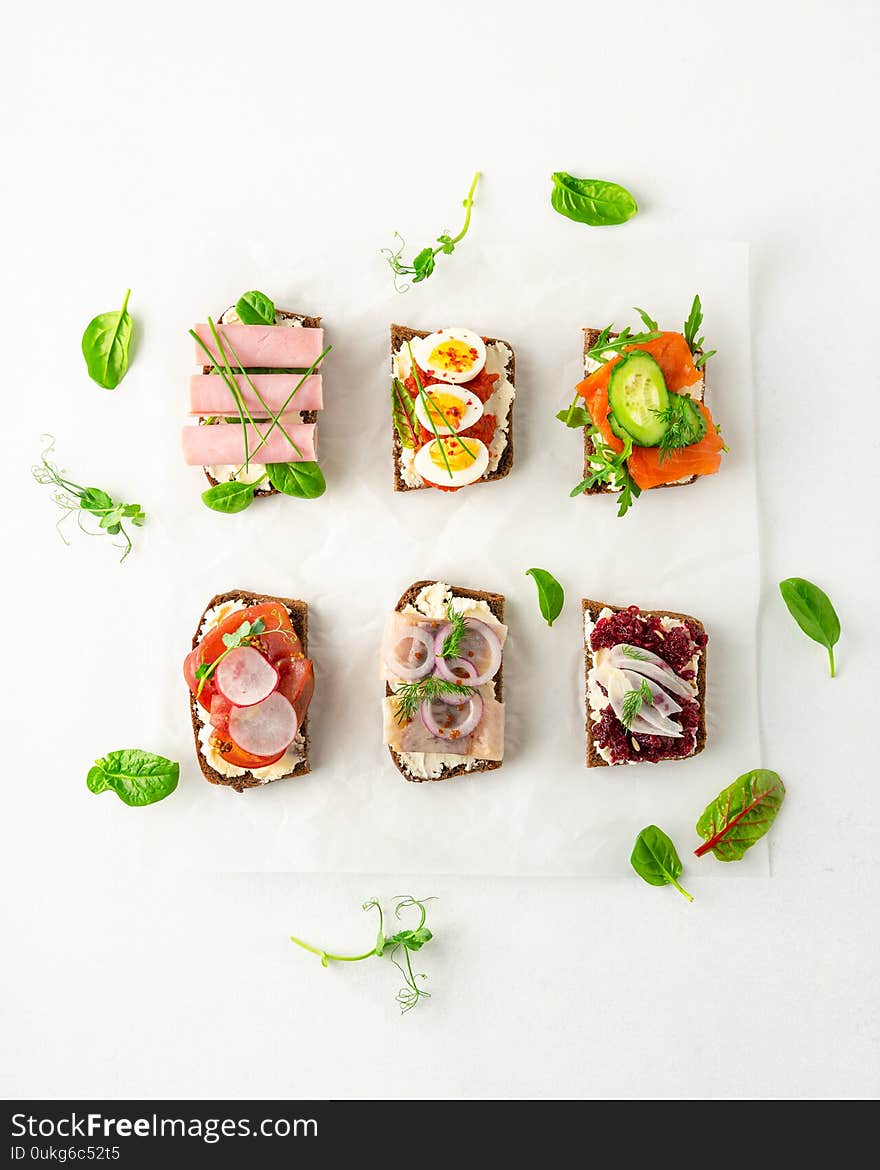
[
  {"x": 551, "y": 596},
  {"x": 595, "y": 202},
  {"x": 609, "y": 467},
  {"x": 137, "y": 777},
  {"x": 606, "y": 344},
  {"x": 403, "y": 412},
  {"x": 423, "y": 264},
  {"x": 255, "y": 308},
  {"x": 304, "y": 480},
  {"x": 648, "y": 321},
  {"x": 811, "y": 608},
  {"x": 106, "y": 345},
  {"x": 741, "y": 814},
  {"x": 575, "y": 416},
  {"x": 692, "y": 327},
  {"x": 656, "y": 861}
]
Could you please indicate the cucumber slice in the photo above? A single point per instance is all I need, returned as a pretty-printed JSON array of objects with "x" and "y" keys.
[
  {"x": 638, "y": 396},
  {"x": 616, "y": 429},
  {"x": 696, "y": 420}
]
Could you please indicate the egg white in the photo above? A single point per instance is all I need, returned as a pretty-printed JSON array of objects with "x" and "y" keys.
[
  {"x": 472, "y": 409},
  {"x": 424, "y": 465},
  {"x": 429, "y": 343}
]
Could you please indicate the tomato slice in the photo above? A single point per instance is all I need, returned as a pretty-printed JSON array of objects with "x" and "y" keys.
[
  {"x": 280, "y": 639},
  {"x": 297, "y": 684},
  {"x": 235, "y": 755}
]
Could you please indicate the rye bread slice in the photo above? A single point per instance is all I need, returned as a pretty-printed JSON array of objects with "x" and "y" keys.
[
  {"x": 495, "y": 601},
  {"x": 400, "y": 335},
  {"x": 591, "y": 336},
  {"x": 308, "y": 416},
  {"x": 299, "y": 619},
  {"x": 594, "y": 608}
]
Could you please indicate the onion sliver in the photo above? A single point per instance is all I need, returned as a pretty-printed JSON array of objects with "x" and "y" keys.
[
  {"x": 446, "y": 722},
  {"x": 245, "y": 677},
  {"x": 463, "y": 672},
  {"x": 413, "y": 656},
  {"x": 265, "y": 729},
  {"x": 474, "y": 629}
]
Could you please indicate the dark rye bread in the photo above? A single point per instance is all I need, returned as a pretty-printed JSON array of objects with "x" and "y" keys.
[
  {"x": 591, "y": 336},
  {"x": 495, "y": 601},
  {"x": 594, "y": 608},
  {"x": 299, "y": 619},
  {"x": 308, "y": 416},
  {"x": 400, "y": 335}
]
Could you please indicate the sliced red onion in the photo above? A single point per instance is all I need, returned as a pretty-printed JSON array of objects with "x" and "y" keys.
[
  {"x": 448, "y": 722},
  {"x": 463, "y": 672},
  {"x": 413, "y": 656},
  {"x": 475, "y": 631}
]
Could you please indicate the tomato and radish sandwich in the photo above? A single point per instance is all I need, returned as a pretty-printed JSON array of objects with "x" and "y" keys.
[
  {"x": 250, "y": 684},
  {"x": 254, "y": 404},
  {"x": 646, "y": 684},
  {"x": 452, "y": 396},
  {"x": 641, "y": 406},
  {"x": 442, "y": 663}
]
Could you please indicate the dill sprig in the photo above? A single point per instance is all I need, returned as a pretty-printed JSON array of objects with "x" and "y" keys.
[
  {"x": 409, "y": 696},
  {"x": 632, "y": 703},
  {"x": 452, "y": 641}
]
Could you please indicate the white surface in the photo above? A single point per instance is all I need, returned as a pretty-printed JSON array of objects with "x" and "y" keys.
[{"x": 765, "y": 987}]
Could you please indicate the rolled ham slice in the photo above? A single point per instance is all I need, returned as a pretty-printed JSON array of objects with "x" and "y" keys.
[
  {"x": 486, "y": 742},
  {"x": 209, "y": 394},
  {"x": 264, "y": 345},
  {"x": 206, "y": 446}
]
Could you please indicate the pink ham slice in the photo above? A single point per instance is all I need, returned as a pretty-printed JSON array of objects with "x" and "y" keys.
[
  {"x": 264, "y": 345},
  {"x": 486, "y": 742},
  {"x": 204, "y": 446},
  {"x": 209, "y": 394}
]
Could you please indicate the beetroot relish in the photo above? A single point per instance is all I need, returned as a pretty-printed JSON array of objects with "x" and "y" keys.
[
  {"x": 676, "y": 646},
  {"x": 609, "y": 732}
]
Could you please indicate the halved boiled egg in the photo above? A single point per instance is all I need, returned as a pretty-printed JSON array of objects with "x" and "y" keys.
[
  {"x": 447, "y": 409},
  {"x": 455, "y": 355},
  {"x": 452, "y": 462}
]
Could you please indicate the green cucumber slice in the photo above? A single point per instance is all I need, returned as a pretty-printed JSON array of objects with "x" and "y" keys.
[
  {"x": 696, "y": 420},
  {"x": 639, "y": 398}
]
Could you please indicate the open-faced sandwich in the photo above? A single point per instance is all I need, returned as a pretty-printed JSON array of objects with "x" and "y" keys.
[
  {"x": 642, "y": 410},
  {"x": 256, "y": 401},
  {"x": 452, "y": 398},
  {"x": 646, "y": 685},
  {"x": 250, "y": 686},
  {"x": 442, "y": 665}
]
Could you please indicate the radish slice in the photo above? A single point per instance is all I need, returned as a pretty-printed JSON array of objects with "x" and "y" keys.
[
  {"x": 447, "y": 722},
  {"x": 245, "y": 677},
  {"x": 266, "y": 728},
  {"x": 479, "y": 646}
]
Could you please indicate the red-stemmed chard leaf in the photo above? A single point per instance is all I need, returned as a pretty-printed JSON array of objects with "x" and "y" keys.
[{"x": 740, "y": 815}]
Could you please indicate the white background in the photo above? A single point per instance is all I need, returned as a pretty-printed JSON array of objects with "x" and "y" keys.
[{"x": 754, "y": 126}]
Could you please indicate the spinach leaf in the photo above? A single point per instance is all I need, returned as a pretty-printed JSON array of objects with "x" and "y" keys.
[
  {"x": 403, "y": 411},
  {"x": 229, "y": 497},
  {"x": 255, "y": 308},
  {"x": 137, "y": 777},
  {"x": 655, "y": 860},
  {"x": 592, "y": 201},
  {"x": 303, "y": 480},
  {"x": 551, "y": 596},
  {"x": 106, "y": 344},
  {"x": 811, "y": 608},
  {"x": 741, "y": 814}
]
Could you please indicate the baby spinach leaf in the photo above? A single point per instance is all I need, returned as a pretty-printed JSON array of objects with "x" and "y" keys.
[
  {"x": 255, "y": 308},
  {"x": 655, "y": 860},
  {"x": 551, "y": 596},
  {"x": 137, "y": 777},
  {"x": 595, "y": 202},
  {"x": 303, "y": 480},
  {"x": 403, "y": 411},
  {"x": 741, "y": 814},
  {"x": 229, "y": 497},
  {"x": 106, "y": 344},
  {"x": 811, "y": 608}
]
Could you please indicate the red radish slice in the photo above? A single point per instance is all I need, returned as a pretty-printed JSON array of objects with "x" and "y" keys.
[
  {"x": 265, "y": 728},
  {"x": 245, "y": 677}
]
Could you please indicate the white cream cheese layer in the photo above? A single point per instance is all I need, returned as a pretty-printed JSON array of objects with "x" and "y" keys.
[
  {"x": 431, "y": 602},
  {"x": 596, "y": 700},
  {"x": 294, "y": 755},
  {"x": 499, "y": 402}
]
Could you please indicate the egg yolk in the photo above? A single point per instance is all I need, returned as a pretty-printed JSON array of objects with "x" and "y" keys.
[
  {"x": 444, "y": 409},
  {"x": 458, "y": 458},
  {"x": 456, "y": 356}
]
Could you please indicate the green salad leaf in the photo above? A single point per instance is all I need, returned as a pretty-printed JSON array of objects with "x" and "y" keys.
[
  {"x": 656, "y": 861},
  {"x": 741, "y": 814},
  {"x": 106, "y": 345},
  {"x": 255, "y": 308},
  {"x": 137, "y": 777},
  {"x": 811, "y": 608},
  {"x": 231, "y": 496},
  {"x": 551, "y": 596},
  {"x": 304, "y": 480},
  {"x": 595, "y": 202}
]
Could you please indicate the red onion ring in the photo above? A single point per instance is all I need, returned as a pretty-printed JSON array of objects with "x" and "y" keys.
[
  {"x": 448, "y": 729},
  {"x": 466, "y": 679},
  {"x": 408, "y": 669},
  {"x": 490, "y": 637}
]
